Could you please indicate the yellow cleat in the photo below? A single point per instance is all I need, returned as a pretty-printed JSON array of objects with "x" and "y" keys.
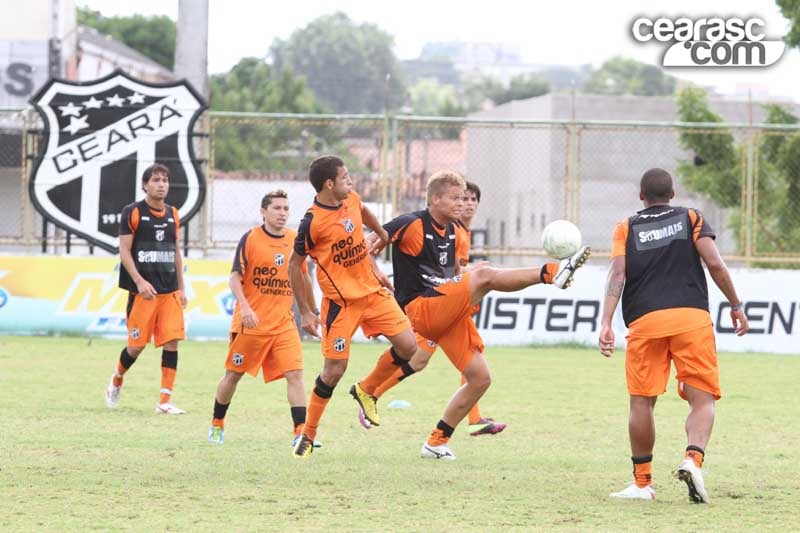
[
  {"x": 303, "y": 448},
  {"x": 367, "y": 403}
]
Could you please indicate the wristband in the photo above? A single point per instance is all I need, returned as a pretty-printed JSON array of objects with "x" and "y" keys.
[{"x": 736, "y": 307}]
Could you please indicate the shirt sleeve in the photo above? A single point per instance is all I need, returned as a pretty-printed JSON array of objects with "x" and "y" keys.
[
  {"x": 700, "y": 228},
  {"x": 303, "y": 244},
  {"x": 406, "y": 232},
  {"x": 240, "y": 257},
  {"x": 177, "y": 218},
  {"x": 127, "y": 224},
  {"x": 619, "y": 239}
]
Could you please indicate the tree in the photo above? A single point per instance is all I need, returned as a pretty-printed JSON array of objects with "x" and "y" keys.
[
  {"x": 791, "y": 10},
  {"x": 152, "y": 36},
  {"x": 253, "y": 86},
  {"x": 520, "y": 87},
  {"x": 350, "y": 67},
  {"x": 716, "y": 171},
  {"x": 620, "y": 75}
]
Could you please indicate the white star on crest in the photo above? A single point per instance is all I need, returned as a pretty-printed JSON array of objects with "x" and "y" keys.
[
  {"x": 77, "y": 124},
  {"x": 70, "y": 110},
  {"x": 92, "y": 103},
  {"x": 136, "y": 98},
  {"x": 115, "y": 101}
]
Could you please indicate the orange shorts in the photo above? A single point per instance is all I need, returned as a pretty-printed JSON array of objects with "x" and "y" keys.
[
  {"x": 273, "y": 354},
  {"x": 447, "y": 320},
  {"x": 424, "y": 344},
  {"x": 377, "y": 314},
  {"x": 647, "y": 363},
  {"x": 160, "y": 318}
]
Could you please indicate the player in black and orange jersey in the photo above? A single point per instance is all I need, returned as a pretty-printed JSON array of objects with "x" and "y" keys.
[
  {"x": 263, "y": 334},
  {"x": 152, "y": 273},
  {"x": 332, "y": 234},
  {"x": 478, "y": 425},
  {"x": 656, "y": 270},
  {"x": 439, "y": 297}
]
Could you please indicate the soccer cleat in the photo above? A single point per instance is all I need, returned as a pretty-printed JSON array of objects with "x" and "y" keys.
[
  {"x": 317, "y": 444},
  {"x": 216, "y": 435},
  {"x": 568, "y": 266},
  {"x": 634, "y": 492},
  {"x": 112, "y": 394},
  {"x": 367, "y": 403},
  {"x": 303, "y": 448},
  {"x": 689, "y": 473},
  {"x": 167, "y": 408},
  {"x": 437, "y": 452},
  {"x": 486, "y": 426},
  {"x": 363, "y": 419}
]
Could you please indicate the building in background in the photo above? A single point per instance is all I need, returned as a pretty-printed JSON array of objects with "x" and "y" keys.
[{"x": 522, "y": 170}]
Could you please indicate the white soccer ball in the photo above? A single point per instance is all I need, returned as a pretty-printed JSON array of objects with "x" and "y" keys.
[{"x": 561, "y": 238}]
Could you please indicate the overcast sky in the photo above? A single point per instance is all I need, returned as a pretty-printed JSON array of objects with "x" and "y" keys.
[{"x": 555, "y": 32}]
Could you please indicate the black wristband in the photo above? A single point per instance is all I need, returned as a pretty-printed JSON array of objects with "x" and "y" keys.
[{"x": 737, "y": 307}]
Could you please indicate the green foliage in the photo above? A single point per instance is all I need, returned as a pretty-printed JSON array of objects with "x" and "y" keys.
[
  {"x": 253, "y": 86},
  {"x": 521, "y": 87},
  {"x": 152, "y": 36},
  {"x": 621, "y": 75},
  {"x": 717, "y": 172},
  {"x": 350, "y": 67},
  {"x": 71, "y": 464},
  {"x": 791, "y": 10}
]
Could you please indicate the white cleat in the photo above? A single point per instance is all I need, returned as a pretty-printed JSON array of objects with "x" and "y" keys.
[
  {"x": 437, "y": 452},
  {"x": 568, "y": 266},
  {"x": 689, "y": 473},
  {"x": 112, "y": 394},
  {"x": 169, "y": 409},
  {"x": 634, "y": 492}
]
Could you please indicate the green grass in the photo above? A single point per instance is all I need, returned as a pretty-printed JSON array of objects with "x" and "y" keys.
[{"x": 69, "y": 463}]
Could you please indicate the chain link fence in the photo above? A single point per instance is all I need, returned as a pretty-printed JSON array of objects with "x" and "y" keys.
[{"x": 744, "y": 178}]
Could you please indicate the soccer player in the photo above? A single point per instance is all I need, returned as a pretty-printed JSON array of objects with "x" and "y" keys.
[
  {"x": 353, "y": 291},
  {"x": 152, "y": 273},
  {"x": 263, "y": 334},
  {"x": 478, "y": 425},
  {"x": 439, "y": 299},
  {"x": 656, "y": 270}
]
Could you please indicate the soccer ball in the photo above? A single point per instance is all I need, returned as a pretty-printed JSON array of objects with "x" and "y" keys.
[{"x": 561, "y": 238}]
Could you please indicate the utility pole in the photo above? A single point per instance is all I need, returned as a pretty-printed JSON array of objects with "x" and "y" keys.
[{"x": 191, "y": 44}]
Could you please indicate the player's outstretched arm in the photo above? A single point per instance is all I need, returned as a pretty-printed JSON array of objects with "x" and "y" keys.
[{"x": 614, "y": 285}]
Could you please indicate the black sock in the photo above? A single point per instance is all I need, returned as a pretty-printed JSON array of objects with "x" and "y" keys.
[
  {"x": 407, "y": 370},
  {"x": 220, "y": 410},
  {"x": 447, "y": 431},
  {"x": 298, "y": 415},
  {"x": 169, "y": 359},
  {"x": 125, "y": 360}
]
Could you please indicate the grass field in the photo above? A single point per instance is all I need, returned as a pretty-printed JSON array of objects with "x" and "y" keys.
[{"x": 69, "y": 463}]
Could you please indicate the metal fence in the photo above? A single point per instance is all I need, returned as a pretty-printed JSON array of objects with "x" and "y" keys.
[{"x": 744, "y": 178}]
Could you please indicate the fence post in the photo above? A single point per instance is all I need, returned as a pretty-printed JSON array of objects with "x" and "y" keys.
[
  {"x": 571, "y": 183},
  {"x": 749, "y": 197}
]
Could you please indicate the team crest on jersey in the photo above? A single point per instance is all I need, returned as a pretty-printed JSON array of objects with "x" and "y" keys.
[
  {"x": 98, "y": 138},
  {"x": 442, "y": 258},
  {"x": 348, "y": 225},
  {"x": 431, "y": 344},
  {"x": 237, "y": 359},
  {"x": 135, "y": 333},
  {"x": 339, "y": 344},
  {"x": 279, "y": 258},
  {"x": 159, "y": 234}
]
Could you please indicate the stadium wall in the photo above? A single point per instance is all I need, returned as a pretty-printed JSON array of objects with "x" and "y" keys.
[{"x": 79, "y": 296}]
